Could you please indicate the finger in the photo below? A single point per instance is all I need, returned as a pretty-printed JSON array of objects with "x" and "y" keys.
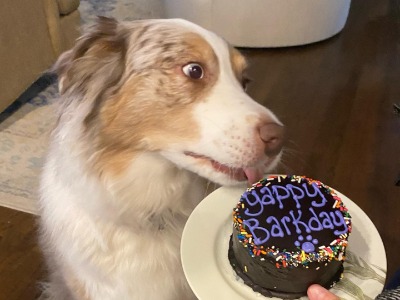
[{"x": 317, "y": 292}]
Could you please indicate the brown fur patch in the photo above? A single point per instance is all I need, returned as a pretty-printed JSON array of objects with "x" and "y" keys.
[
  {"x": 153, "y": 107},
  {"x": 239, "y": 65},
  {"x": 103, "y": 38},
  {"x": 93, "y": 69}
]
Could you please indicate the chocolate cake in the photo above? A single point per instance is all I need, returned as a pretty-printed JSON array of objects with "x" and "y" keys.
[{"x": 288, "y": 233}]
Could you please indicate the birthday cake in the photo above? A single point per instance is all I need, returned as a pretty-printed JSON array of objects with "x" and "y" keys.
[{"x": 288, "y": 233}]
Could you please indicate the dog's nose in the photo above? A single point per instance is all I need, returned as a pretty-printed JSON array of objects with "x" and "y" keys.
[{"x": 272, "y": 136}]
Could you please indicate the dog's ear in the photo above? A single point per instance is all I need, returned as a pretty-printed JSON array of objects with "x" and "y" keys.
[{"x": 97, "y": 61}]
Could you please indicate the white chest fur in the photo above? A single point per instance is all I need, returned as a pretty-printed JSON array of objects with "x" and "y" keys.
[{"x": 125, "y": 227}]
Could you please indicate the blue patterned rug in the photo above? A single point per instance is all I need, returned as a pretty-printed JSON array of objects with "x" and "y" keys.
[{"x": 25, "y": 125}]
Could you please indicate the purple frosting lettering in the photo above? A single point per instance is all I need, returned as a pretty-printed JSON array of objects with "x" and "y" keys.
[
  {"x": 279, "y": 196},
  {"x": 339, "y": 221},
  {"x": 260, "y": 234},
  {"x": 257, "y": 202},
  {"x": 267, "y": 194},
  {"x": 252, "y": 200},
  {"x": 296, "y": 196},
  {"x": 276, "y": 229},
  {"x": 316, "y": 192},
  {"x": 326, "y": 220},
  {"x": 314, "y": 223},
  {"x": 296, "y": 222},
  {"x": 284, "y": 220}
]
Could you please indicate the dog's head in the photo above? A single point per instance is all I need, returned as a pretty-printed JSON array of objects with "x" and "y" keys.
[{"x": 169, "y": 87}]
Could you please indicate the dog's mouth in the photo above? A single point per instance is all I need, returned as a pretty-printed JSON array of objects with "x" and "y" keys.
[{"x": 249, "y": 174}]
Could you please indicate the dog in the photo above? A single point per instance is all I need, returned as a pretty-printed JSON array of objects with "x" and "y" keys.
[{"x": 150, "y": 111}]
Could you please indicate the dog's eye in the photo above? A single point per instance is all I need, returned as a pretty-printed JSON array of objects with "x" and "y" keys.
[{"x": 193, "y": 70}]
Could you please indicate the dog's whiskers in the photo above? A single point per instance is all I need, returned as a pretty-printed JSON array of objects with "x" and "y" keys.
[{"x": 288, "y": 153}]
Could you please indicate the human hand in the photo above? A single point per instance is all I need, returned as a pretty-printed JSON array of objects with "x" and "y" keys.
[{"x": 317, "y": 292}]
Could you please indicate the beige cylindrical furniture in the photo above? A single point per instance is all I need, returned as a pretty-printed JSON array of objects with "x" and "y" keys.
[
  {"x": 32, "y": 35},
  {"x": 265, "y": 23}
]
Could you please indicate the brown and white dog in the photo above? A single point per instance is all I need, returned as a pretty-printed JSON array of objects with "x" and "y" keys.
[{"x": 150, "y": 110}]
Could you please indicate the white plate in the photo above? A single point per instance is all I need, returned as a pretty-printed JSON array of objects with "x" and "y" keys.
[{"x": 205, "y": 262}]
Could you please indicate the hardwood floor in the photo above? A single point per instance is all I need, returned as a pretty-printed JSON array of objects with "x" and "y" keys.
[
  {"x": 336, "y": 99},
  {"x": 21, "y": 264}
]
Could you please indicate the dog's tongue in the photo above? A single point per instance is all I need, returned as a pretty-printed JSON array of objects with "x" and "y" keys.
[{"x": 253, "y": 174}]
